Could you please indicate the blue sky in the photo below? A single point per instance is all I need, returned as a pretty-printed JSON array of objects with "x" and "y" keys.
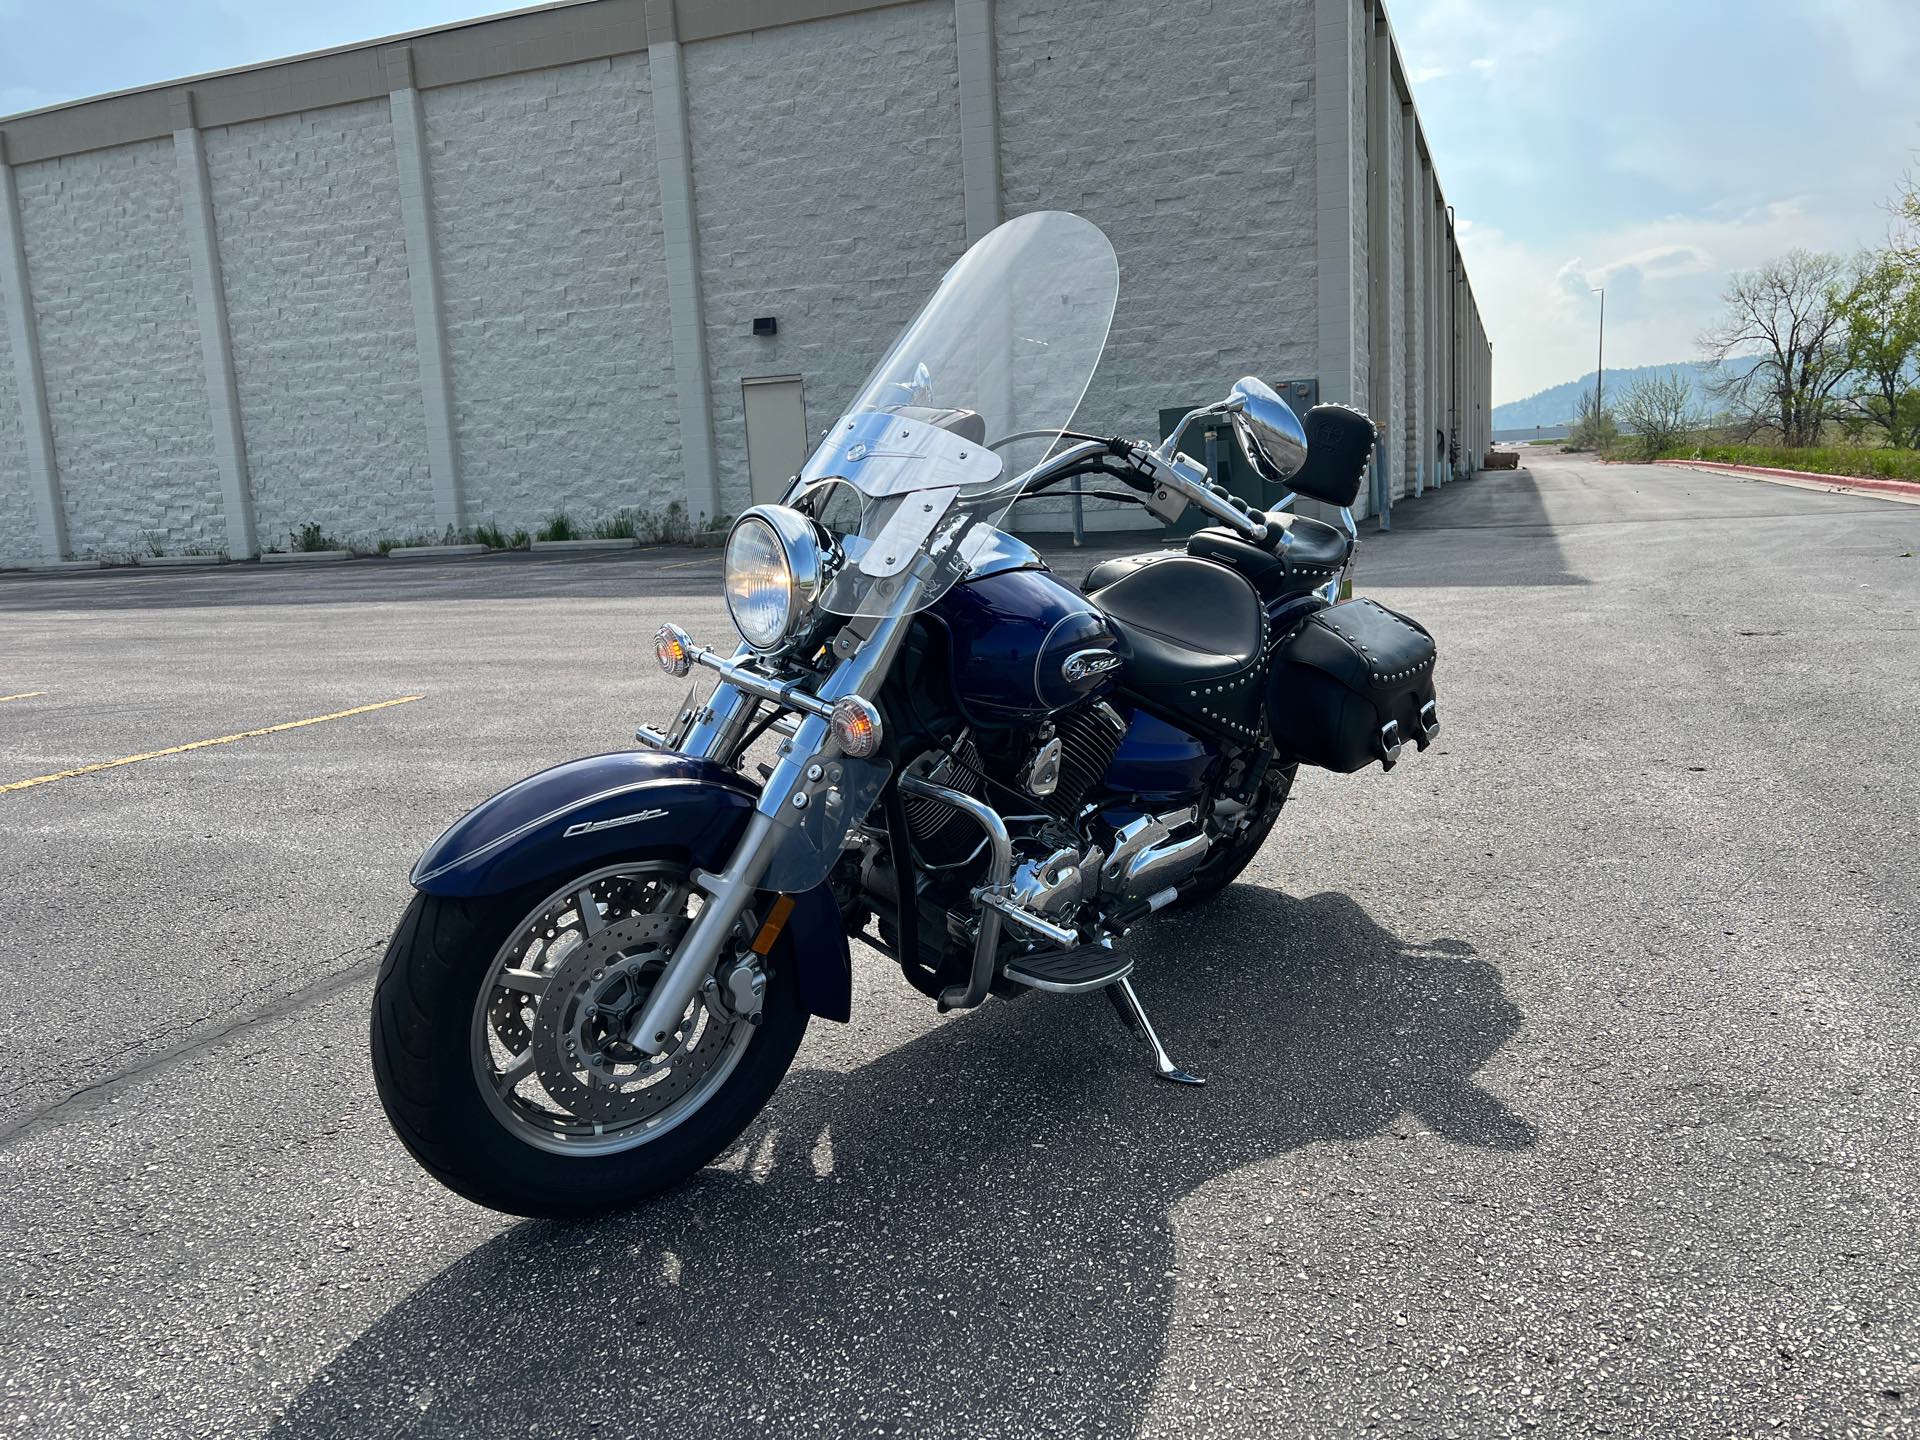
[
  {"x": 1653, "y": 148},
  {"x": 1650, "y": 147}
]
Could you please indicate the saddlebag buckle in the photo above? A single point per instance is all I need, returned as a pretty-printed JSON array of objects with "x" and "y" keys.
[
  {"x": 1429, "y": 723},
  {"x": 1390, "y": 744}
]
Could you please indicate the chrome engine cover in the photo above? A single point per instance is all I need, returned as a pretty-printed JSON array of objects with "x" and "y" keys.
[{"x": 1153, "y": 852}]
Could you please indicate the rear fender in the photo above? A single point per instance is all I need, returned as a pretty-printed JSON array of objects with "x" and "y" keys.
[{"x": 629, "y": 805}]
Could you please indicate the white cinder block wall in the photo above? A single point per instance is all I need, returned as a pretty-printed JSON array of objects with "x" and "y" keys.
[
  {"x": 17, "y": 538},
  {"x": 120, "y": 350},
  {"x": 546, "y": 203},
  {"x": 826, "y": 181},
  {"x": 307, "y": 212},
  {"x": 823, "y": 155}
]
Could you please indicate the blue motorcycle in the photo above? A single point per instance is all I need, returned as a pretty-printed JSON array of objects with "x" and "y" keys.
[{"x": 983, "y": 771}]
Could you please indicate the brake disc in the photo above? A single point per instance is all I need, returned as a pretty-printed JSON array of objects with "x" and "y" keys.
[{"x": 578, "y": 1035}]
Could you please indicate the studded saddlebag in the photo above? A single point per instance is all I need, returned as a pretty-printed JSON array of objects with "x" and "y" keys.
[{"x": 1352, "y": 684}]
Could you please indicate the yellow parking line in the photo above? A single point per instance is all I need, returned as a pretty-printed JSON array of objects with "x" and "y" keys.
[
  {"x": 23, "y": 695},
  {"x": 202, "y": 744}
]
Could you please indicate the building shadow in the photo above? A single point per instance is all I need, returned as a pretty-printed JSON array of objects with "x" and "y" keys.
[
  {"x": 1518, "y": 543},
  {"x": 969, "y": 1235}
]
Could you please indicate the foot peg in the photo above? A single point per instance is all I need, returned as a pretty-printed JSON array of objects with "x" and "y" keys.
[{"x": 1134, "y": 1016}]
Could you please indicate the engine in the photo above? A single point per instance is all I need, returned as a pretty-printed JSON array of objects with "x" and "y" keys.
[{"x": 1069, "y": 855}]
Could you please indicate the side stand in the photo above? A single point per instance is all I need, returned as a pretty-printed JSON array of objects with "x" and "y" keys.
[{"x": 1134, "y": 1016}]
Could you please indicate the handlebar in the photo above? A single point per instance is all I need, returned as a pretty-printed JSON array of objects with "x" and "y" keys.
[{"x": 1188, "y": 480}]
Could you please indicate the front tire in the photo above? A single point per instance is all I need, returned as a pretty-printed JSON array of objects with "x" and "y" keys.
[{"x": 497, "y": 1055}]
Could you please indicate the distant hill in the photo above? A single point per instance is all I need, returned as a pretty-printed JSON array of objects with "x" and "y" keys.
[{"x": 1560, "y": 404}]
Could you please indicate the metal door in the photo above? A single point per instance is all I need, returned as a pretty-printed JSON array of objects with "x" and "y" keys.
[{"x": 776, "y": 415}]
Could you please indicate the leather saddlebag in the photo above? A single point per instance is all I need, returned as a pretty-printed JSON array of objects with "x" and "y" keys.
[{"x": 1352, "y": 684}]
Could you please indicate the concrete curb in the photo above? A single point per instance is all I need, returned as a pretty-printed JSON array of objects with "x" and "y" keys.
[
  {"x": 179, "y": 561},
  {"x": 434, "y": 552},
  {"x": 57, "y": 567},
  {"x": 1907, "y": 490},
  {"x": 303, "y": 557},
  {"x": 562, "y": 547}
]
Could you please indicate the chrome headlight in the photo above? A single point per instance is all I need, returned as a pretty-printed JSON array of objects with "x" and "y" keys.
[{"x": 774, "y": 572}]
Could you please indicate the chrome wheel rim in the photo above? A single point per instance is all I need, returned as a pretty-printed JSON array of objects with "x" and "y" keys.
[{"x": 549, "y": 1053}]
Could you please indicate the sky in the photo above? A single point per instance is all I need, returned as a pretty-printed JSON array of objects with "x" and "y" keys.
[
  {"x": 1650, "y": 146},
  {"x": 1655, "y": 149}
]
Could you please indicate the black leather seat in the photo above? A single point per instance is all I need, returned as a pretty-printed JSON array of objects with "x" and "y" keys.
[
  {"x": 1299, "y": 554},
  {"x": 1193, "y": 633}
]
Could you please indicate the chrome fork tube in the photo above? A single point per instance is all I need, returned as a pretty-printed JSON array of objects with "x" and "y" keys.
[{"x": 728, "y": 892}]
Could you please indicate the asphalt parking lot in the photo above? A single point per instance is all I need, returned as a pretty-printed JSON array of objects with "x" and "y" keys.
[{"x": 1563, "y": 1080}]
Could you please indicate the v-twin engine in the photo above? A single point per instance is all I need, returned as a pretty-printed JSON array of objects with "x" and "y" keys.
[{"x": 1144, "y": 857}]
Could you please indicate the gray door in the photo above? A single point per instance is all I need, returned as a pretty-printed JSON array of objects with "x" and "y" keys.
[{"x": 776, "y": 414}]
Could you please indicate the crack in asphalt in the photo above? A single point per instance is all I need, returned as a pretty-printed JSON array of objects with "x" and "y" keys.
[{"x": 95, "y": 1092}]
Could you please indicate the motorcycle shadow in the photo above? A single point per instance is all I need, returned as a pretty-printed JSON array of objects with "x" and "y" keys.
[{"x": 970, "y": 1234}]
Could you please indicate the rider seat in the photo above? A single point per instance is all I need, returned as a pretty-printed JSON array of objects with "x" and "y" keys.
[
  {"x": 1194, "y": 636},
  {"x": 1298, "y": 555}
]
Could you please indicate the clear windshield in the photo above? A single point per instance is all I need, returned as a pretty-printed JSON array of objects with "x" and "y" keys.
[{"x": 920, "y": 470}]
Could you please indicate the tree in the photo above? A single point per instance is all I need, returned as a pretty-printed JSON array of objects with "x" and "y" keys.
[
  {"x": 1906, "y": 223},
  {"x": 1880, "y": 323},
  {"x": 1659, "y": 411},
  {"x": 1782, "y": 318},
  {"x": 1593, "y": 429}
]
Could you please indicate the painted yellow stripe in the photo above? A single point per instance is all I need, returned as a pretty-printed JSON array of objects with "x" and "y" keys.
[
  {"x": 202, "y": 744},
  {"x": 23, "y": 695}
]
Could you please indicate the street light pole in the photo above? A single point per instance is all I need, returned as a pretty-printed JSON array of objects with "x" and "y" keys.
[{"x": 1600, "y": 364}]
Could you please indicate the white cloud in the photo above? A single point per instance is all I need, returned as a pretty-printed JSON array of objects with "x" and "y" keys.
[{"x": 1663, "y": 279}]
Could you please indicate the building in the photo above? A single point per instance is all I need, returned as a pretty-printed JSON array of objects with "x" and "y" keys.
[{"x": 485, "y": 273}]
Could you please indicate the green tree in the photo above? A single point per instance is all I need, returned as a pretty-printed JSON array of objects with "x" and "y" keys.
[
  {"x": 1593, "y": 428},
  {"x": 1880, "y": 319},
  {"x": 1782, "y": 328},
  {"x": 1659, "y": 412}
]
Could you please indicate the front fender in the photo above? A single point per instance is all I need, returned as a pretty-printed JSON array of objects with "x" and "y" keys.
[{"x": 631, "y": 804}]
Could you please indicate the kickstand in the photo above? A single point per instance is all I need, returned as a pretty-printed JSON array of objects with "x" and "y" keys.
[{"x": 1126, "y": 1001}]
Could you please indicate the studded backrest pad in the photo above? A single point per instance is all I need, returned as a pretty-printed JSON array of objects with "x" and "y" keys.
[{"x": 1339, "y": 440}]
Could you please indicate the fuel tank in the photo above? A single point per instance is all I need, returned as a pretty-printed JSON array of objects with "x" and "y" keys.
[{"x": 1024, "y": 644}]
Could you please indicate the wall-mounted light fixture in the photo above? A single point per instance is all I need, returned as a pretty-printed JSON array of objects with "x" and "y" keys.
[{"x": 765, "y": 325}]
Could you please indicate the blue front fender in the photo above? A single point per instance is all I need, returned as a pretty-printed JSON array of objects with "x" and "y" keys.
[{"x": 604, "y": 809}]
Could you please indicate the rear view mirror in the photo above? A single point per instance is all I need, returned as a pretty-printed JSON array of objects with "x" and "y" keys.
[{"x": 1269, "y": 433}]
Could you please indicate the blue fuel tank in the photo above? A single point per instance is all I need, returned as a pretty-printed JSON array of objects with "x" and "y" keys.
[{"x": 1026, "y": 645}]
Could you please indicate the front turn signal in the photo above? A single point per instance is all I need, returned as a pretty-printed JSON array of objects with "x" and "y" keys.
[
  {"x": 856, "y": 727},
  {"x": 673, "y": 648}
]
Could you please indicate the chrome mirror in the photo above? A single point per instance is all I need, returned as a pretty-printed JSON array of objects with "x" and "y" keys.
[{"x": 1270, "y": 434}]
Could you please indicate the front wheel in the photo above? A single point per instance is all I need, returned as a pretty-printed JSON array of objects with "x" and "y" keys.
[{"x": 499, "y": 1043}]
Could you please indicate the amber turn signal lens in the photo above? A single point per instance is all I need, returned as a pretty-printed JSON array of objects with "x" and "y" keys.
[
  {"x": 673, "y": 648},
  {"x": 856, "y": 726}
]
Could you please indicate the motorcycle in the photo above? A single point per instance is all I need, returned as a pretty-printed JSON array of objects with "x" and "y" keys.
[{"x": 986, "y": 773}]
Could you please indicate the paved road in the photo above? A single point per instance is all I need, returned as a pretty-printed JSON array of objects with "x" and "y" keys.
[{"x": 1563, "y": 1079}]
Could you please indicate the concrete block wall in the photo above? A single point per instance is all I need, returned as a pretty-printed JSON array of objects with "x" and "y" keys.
[
  {"x": 546, "y": 206},
  {"x": 503, "y": 330},
  {"x": 16, "y": 505},
  {"x": 307, "y": 215},
  {"x": 1216, "y": 243},
  {"x": 120, "y": 350},
  {"x": 1359, "y": 49},
  {"x": 827, "y": 194}
]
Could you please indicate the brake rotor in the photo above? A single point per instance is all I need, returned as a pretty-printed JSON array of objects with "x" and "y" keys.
[{"x": 579, "y": 1030}]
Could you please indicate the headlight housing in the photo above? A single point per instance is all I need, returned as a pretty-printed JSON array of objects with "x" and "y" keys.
[{"x": 773, "y": 574}]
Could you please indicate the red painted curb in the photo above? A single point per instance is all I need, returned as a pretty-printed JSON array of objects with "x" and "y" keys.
[{"x": 1908, "y": 488}]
